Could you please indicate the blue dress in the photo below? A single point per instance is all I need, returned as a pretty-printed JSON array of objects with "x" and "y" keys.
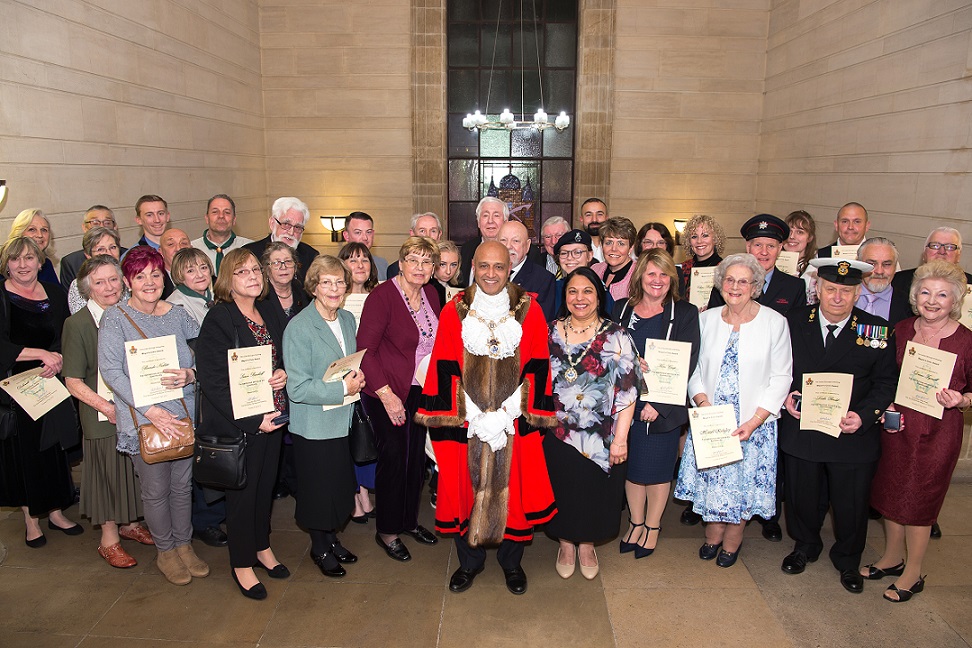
[{"x": 735, "y": 492}]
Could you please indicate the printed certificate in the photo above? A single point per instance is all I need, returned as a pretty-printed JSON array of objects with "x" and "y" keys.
[
  {"x": 354, "y": 304},
  {"x": 826, "y": 399},
  {"x": 250, "y": 369},
  {"x": 844, "y": 251},
  {"x": 452, "y": 291},
  {"x": 105, "y": 392},
  {"x": 712, "y": 439},
  {"x": 966, "y": 319},
  {"x": 787, "y": 262},
  {"x": 666, "y": 380},
  {"x": 924, "y": 371},
  {"x": 37, "y": 396},
  {"x": 341, "y": 368},
  {"x": 146, "y": 361},
  {"x": 700, "y": 288}
]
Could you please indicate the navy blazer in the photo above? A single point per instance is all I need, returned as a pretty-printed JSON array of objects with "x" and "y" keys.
[
  {"x": 875, "y": 374},
  {"x": 535, "y": 279},
  {"x": 783, "y": 293}
]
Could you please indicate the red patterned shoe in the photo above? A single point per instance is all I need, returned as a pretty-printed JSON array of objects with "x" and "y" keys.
[
  {"x": 138, "y": 533},
  {"x": 116, "y": 556}
]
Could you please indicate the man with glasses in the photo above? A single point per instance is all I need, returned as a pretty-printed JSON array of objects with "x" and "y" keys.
[
  {"x": 96, "y": 216},
  {"x": 360, "y": 228},
  {"x": 288, "y": 218},
  {"x": 219, "y": 237}
]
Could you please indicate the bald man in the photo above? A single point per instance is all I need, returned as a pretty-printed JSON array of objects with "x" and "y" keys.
[
  {"x": 171, "y": 241},
  {"x": 526, "y": 274}
]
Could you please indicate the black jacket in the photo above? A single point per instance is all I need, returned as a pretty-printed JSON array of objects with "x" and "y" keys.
[
  {"x": 534, "y": 278},
  {"x": 784, "y": 293}
]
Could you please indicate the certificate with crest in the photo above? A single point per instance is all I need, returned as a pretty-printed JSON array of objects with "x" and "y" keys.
[
  {"x": 666, "y": 380},
  {"x": 924, "y": 371},
  {"x": 826, "y": 399},
  {"x": 712, "y": 439},
  {"x": 787, "y": 262},
  {"x": 35, "y": 394},
  {"x": 147, "y": 359},
  {"x": 844, "y": 251},
  {"x": 452, "y": 291},
  {"x": 700, "y": 287},
  {"x": 250, "y": 369},
  {"x": 354, "y": 304}
]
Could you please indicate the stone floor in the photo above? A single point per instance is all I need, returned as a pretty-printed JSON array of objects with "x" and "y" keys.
[{"x": 65, "y": 595}]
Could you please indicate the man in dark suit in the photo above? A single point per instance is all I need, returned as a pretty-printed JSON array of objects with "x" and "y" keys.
[
  {"x": 878, "y": 295},
  {"x": 836, "y": 337},
  {"x": 428, "y": 225},
  {"x": 491, "y": 213},
  {"x": 851, "y": 225},
  {"x": 96, "y": 216},
  {"x": 943, "y": 243},
  {"x": 288, "y": 218},
  {"x": 525, "y": 273}
]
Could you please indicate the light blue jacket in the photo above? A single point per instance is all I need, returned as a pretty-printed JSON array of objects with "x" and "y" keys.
[{"x": 309, "y": 348}]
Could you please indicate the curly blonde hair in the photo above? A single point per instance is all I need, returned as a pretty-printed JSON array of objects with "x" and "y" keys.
[{"x": 698, "y": 221}]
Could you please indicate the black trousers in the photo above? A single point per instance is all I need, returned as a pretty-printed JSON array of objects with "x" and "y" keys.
[
  {"x": 508, "y": 555},
  {"x": 248, "y": 509},
  {"x": 400, "y": 472},
  {"x": 847, "y": 486}
]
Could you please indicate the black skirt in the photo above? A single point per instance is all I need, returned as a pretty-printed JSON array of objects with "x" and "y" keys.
[
  {"x": 325, "y": 482},
  {"x": 588, "y": 499},
  {"x": 37, "y": 479}
]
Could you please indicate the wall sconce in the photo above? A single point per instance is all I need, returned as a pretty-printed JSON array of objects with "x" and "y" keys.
[
  {"x": 680, "y": 224},
  {"x": 334, "y": 224},
  {"x": 3, "y": 191}
]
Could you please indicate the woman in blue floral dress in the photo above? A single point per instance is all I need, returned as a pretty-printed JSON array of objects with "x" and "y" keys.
[
  {"x": 745, "y": 361},
  {"x": 595, "y": 378}
]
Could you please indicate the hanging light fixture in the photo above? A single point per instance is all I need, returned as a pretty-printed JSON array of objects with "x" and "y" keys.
[
  {"x": 334, "y": 224},
  {"x": 507, "y": 120}
]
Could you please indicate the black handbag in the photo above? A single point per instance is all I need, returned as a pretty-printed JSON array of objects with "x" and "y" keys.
[
  {"x": 220, "y": 463},
  {"x": 361, "y": 436}
]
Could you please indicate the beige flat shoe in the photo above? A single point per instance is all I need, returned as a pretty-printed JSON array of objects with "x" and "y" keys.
[
  {"x": 589, "y": 572},
  {"x": 566, "y": 571}
]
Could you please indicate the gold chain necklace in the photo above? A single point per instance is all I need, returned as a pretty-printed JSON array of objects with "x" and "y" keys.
[
  {"x": 492, "y": 343},
  {"x": 571, "y": 373}
]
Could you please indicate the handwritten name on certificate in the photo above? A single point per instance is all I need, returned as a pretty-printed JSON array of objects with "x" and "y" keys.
[
  {"x": 250, "y": 369},
  {"x": 700, "y": 288},
  {"x": 787, "y": 262},
  {"x": 146, "y": 361},
  {"x": 924, "y": 372},
  {"x": 36, "y": 395},
  {"x": 666, "y": 380},
  {"x": 712, "y": 439},
  {"x": 826, "y": 399},
  {"x": 354, "y": 304},
  {"x": 338, "y": 369}
]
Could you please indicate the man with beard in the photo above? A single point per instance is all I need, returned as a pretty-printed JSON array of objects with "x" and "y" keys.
[
  {"x": 219, "y": 237},
  {"x": 487, "y": 395},
  {"x": 593, "y": 213},
  {"x": 288, "y": 218}
]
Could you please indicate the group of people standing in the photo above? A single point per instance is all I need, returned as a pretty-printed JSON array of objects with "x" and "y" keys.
[{"x": 523, "y": 366}]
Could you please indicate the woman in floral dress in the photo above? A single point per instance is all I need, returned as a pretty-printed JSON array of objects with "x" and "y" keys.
[{"x": 595, "y": 376}]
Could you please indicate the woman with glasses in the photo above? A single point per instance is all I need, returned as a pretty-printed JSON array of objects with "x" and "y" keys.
[
  {"x": 654, "y": 235},
  {"x": 96, "y": 241},
  {"x": 744, "y": 361},
  {"x": 617, "y": 242},
  {"x": 280, "y": 267},
  {"x": 398, "y": 326},
  {"x": 319, "y": 422}
]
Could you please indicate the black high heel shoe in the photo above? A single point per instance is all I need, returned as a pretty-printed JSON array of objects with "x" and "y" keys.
[
  {"x": 876, "y": 573},
  {"x": 626, "y": 546},
  {"x": 258, "y": 592},
  {"x": 905, "y": 594},
  {"x": 644, "y": 552}
]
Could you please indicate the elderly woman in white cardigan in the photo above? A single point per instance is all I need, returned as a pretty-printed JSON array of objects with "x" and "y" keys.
[{"x": 744, "y": 361}]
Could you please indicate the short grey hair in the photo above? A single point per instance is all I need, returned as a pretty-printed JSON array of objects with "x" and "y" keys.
[
  {"x": 94, "y": 235},
  {"x": 283, "y": 205},
  {"x": 749, "y": 262},
  {"x": 92, "y": 264},
  {"x": 877, "y": 240},
  {"x": 416, "y": 217},
  {"x": 945, "y": 230},
  {"x": 489, "y": 199},
  {"x": 555, "y": 220}
]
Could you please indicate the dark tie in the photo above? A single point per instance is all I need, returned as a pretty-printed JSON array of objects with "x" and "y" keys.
[{"x": 831, "y": 338}]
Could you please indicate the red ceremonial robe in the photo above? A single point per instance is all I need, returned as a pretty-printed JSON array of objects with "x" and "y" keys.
[{"x": 488, "y": 496}]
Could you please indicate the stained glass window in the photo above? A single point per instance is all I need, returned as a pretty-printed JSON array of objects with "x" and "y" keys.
[{"x": 493, "y": 66}]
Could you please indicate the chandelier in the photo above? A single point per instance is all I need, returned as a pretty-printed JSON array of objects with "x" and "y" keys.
[{"x": 507, "y": 120}]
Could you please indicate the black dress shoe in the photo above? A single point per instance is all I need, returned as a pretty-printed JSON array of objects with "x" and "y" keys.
[
  {"x": 342, "y": 554},
  {"x": 772, "y": 531},
  {"x": 328, "y": 564},
  {"x": 280, "y": 571},
  {"x": 709, "y": 551},
  {"x": 727, "y": 559},
  {"x": 396, "y": 550},
  {"x": 360, "y": 519},
  {"x": 936, "y": 531},
  {"x": 280, "y": 492},
  {"x": 796, "y": 562},
  {"x": 462, "y": 579},
  {"x": 516, "y": 580},
  {"x": 423, "y": 535},
  {"x": 258, "y": 592},
  {"x": 37, "y": 542},
  {"x": 689, "y": 517},
  {"x": 213, "y": 536},
  {"x": 852, "y": 581},
  {"x": 77, "y": 529}
]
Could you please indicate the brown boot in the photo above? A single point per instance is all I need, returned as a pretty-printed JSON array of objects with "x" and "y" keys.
[
  {"x": 173, "y": 568},
  {"x": 193, "y": 563}
]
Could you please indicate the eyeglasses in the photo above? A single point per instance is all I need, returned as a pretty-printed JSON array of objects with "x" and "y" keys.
[
  {"x": 948, "y": 247},
  {"x": 572, "y": 254},
  {"x": 291, "y": 227},
  {"x": 419, "y": 263},
  {"x": 332, "y": 285},
  {"x": 246, "y": 272},
  {"x": 109, "y": 222},
  {"x": 742, "y": 283},
  {"x": 289, "y": 263},
  {"x": 648, "y": 243}
]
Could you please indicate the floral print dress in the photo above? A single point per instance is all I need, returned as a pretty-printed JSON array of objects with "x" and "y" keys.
[{"x": 606, "y": 383}]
